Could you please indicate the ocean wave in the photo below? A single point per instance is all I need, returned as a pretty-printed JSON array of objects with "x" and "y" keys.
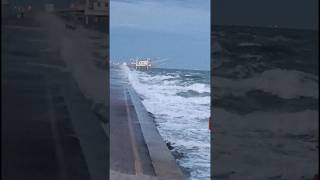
[
  {"x": 197, "y": 87},
  {"x": 280, "y": 38},
  {"x": 182, "y": 121},
  {"x": 278, "y": 123},
  {"x": 251, "y": 56},
  {"x": 258, "y": 100},
  {"x": 250, "y": 140},
  {"x": 246, "y": 44},
  {"x": 191, "y": 93},
  {"x": 286, "y": 84}
]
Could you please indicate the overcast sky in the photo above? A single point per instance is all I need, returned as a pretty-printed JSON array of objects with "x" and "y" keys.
[
  {"x": 283, "y": 13},
  {"x": 176, "y": 30}
]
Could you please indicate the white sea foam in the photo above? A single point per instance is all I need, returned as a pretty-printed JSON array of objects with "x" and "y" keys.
[
  {"x": 245, "y": 44},
  {"x": 250, "y": 56},
  {"x": 280, "y": 38},
  {"x": 283, "y": 83},
  {"x": 258, "y": 140},
  {"x": 301, "y": 122},
  {"x": 183, "y": 121}
]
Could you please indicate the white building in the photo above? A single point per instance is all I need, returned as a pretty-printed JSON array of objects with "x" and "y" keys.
[{"x": 143, "y": 64}]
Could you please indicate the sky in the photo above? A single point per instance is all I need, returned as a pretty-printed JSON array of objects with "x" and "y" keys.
[
  {"x": 298, "y": 14},
  {"x": 175, "y": 32}
]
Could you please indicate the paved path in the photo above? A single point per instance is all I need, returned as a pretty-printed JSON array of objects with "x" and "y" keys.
[
  {"x": 137, "y": 150},
  {"x": 43, "y": 134},
  {"x": 128, "y": 152}
]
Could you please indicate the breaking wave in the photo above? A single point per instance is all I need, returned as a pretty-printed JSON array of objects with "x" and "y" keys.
[{"x": 180, "y": 102}]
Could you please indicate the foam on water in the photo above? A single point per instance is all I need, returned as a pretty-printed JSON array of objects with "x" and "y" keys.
[
  {"x": 182, "y": 121},
  {"x": 265, "y": 83},
  {"x": 286, "y": 84}
]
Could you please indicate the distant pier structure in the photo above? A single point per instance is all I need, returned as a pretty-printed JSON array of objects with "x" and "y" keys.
[{"x": 141, "y": 64}]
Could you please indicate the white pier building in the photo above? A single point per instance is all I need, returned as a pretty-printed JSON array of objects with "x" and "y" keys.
[{"x": 141, "y": 64}]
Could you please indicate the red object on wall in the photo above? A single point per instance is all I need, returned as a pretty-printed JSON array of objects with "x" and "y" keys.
[{"x": 210, "y": 123}]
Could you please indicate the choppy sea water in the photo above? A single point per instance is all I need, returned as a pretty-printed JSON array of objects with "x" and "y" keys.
[
  {"x": 265, "y": 99},
  {"x": 179, "y": 100},
  {"x": 265, "y": 69}
]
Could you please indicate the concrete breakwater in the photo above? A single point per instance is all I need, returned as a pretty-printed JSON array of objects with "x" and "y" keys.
[
  {"x": 163, "y": 161},
  {"x": 134, "y": 138}
]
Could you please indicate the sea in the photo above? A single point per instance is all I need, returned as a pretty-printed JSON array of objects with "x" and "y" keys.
[
  {"x": 179, "y": 101},
  {"x": 265, "y": 102},
  {"x": 265, "y": 69}
]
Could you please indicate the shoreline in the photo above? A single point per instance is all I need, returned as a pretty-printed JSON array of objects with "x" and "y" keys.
[
  {"x": 159, "y": 91},
  {"x": 176, "y": 154},
  {"x": 148, "y": 149}
]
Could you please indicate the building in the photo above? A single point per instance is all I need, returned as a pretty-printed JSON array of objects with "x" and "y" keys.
[
  {"x": 96, "y": 12},
  {"x": 4, "y": 8}
]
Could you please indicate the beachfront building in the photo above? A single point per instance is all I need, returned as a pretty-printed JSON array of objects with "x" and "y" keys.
[
  {"x": 96, "y": 13},
  {"x": 4, "y": 8}
]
